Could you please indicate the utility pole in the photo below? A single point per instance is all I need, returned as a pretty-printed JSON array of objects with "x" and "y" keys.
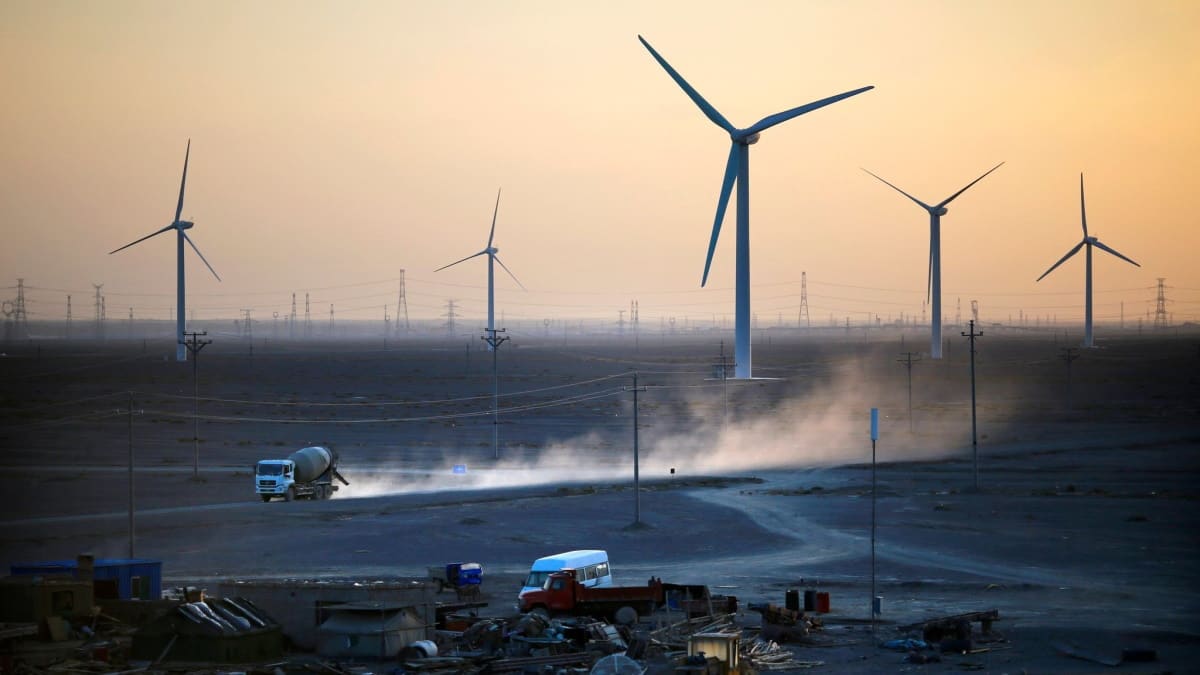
[
  {"x": 68, "y": 316},
  {"x": 194, "y": 347},
  {"x": 874, "y": 437},
  {"x": 494, "y": 340},
  {"x": 971, "y": 335},
  {"x": 1068, "y": 354},
  {"x": 129, "y": 415},
  {"x": 908, "y": 364},
  {"x": 637, "y": 486},
  {"x": 292, "y": 320}
]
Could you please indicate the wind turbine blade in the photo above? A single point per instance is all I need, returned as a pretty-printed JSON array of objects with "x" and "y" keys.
[
  {"x": 476, "y": 255},
  {"x": 952, "y": 197},
  {"x": 514, "y": 277},
  {"x": 169, "y": 227},
  {"x": 731, "y": 172},
  {"x": 705, "y": 106},
  {"x": 1112, "y": 251},
  {"x": 1063, "y": 259},
  {"x": 183, "y": 183},
  {"x": 210, "y": 268},
  {"x": 1083, "y": 209},
  {"x": 768, "y": 122},
  {"x": 494, "y": 213},
  {"x": 918, "y": 201}
]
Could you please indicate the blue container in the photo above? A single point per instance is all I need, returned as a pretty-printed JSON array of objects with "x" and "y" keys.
[{"x": 118, "y": 572}]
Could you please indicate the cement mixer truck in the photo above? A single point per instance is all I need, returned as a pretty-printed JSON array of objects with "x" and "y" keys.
[{"x": 307, "y": 473}]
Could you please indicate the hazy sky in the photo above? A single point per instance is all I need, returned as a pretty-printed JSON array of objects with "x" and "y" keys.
[{"x": 334, "y": 144}]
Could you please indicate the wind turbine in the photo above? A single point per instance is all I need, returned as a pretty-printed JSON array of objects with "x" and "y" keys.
[
  {"x": 179, "y": 226},
  {"x": 1088, "y": 241},
  {"x": 933, "y": 282},
  {"x": 737, "y": 169},
  {"x": 490, "y": 252}
]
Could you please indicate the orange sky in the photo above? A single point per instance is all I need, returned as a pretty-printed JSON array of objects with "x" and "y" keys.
[{"x": 335, "y": 143}]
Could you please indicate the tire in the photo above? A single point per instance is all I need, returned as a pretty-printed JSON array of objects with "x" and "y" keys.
[
  {"x": 290, "y": 494},
  {"x": 626, "y": 616},
  {"x": 541, "y": 612},
  {"x": 265, "y": 498}
]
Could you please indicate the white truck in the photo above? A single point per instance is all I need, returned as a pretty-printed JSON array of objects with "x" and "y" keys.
[{"x": 306, "y": 473}]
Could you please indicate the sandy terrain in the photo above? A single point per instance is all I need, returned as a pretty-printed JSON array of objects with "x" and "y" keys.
[{"x": 1083, "y": 529}]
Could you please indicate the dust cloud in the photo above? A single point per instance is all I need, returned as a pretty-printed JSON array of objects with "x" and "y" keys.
[{"x": 820, "y": 422}]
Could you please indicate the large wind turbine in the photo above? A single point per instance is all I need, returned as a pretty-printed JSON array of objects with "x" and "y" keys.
[
  {"x": 490, "y": 252},
  {"x": 1089, "y": 242},
  {"x": 933, "y": 282},
  {"x": 737, "y": 169},
  {"x": 179, "y": 226}
]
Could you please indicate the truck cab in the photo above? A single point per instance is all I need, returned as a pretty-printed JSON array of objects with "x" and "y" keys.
[{"x": 275, "y": 478}]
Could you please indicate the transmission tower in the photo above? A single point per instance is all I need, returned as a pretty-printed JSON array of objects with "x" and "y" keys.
[
  {"x": 450, "y": 316},
  {"x": 99, "y": 311},
  {"x": 975, "y": 310},
  {"x": 804, "y": 301},
  {"x": 958, "y": 312},
  {"x": 402, "y": 305},
  {"x": 68, "y": 316},
  {"x": 292, "y": 320},
  {"x": 331, "y": 319},
  {"x": 307, "y": 318},
  {"x": 1160, "y": 309},
  {"x": 19, "y": 316},
  {"x": 620, "y": 322}
]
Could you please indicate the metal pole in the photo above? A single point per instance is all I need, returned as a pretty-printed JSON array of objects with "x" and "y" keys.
[
  {"x": 195, "y": 411},
  {"x": 637, "y": 486},
  {"x": 130, "y": 418},
  {"x": 874, "y": 437},
  {"x": 971, "y": 335},
  {"x": 194, "y": 347},
  {"x": 494, "y": 342}
]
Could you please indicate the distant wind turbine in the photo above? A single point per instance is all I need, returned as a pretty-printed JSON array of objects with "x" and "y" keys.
[
  {"x": 933, "y": 282},
  {"x": 737, "y": 169},
  {"x": 179, "y": 226},
  {"x": 490, "y": 252},
  {"x": 1089, "y": 242}
]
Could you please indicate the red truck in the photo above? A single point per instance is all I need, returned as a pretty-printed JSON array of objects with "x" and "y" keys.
[{"x": 562, "y": 594}]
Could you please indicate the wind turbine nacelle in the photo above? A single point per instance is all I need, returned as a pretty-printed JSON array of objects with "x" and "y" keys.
[
  {"x": 751, "y": 139},
  {"x": 942, "y": 211},
  {"x": 184, "y": 224}
]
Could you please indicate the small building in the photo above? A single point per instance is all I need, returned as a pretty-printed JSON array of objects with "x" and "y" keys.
[
  {"x": 368, "y": 630},
  {"x": 113, "y": 578}
]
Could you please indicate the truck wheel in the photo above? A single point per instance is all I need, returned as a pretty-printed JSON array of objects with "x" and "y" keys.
[
  {"x": 265, "y": 498},
  {"x": 326, "y": 492},
  {"x": 290, "y": 494},
  {"x": 541, "y": 612},
  {"x": 626, "y": 616}
]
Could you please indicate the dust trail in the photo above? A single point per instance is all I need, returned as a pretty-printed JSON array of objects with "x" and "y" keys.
[{"x": 820, "y": 422}]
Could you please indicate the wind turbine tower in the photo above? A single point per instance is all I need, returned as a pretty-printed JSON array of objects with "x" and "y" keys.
[
  {"x": 933, "y": 288},
  {"x": 1089, "y": 242},
  {"x": 490, "y": 251},
  {"x": 180, "y": 226},
  {"x": 737, "y": 170}
]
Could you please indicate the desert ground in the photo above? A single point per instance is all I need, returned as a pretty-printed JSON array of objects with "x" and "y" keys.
[{"x": 1077, "y": 516}]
